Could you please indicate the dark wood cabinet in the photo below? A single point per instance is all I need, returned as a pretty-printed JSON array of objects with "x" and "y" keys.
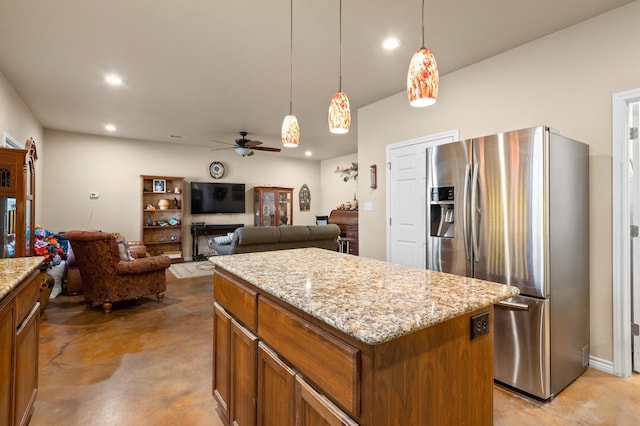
[
  {"x": 273, "y": 206},
  {"x": 17, "y": 200},
  {"x": 7, "y": 337},
  {"x": 347, "y": 220},
  {"x": 314, "y": 409},
  {"x": 244, "y": 347}
]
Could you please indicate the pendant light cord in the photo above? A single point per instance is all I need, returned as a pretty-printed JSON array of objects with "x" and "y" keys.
[
  {"x": 291, "y": 61},
  {"x": 422, "y": 34},
  {"x": 340, "y": 81}
]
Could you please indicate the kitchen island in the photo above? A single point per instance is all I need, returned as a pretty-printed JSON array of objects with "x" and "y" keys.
[
  {"x": 331, "y": 338},
  {"x": 19, "y": 326}
]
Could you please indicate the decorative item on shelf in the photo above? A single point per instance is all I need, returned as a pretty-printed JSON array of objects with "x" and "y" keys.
[
  {"x": 305, "y": 198},
  {"x": 159, "y": 185},
  {"x": 150, "y": 207},
  {"x": 163, "y": 204},
  {"x": 354, "y": 202},
  {"x": 176, "y": 190},
  {"x": 149, "y": 221},
  {"x": 155, "y": 223},
  {"x": 173, "y": 221},
  {"x": 163, "y": 222},
  {"x": 175, "y": 204},
  {"x": 348, "y": 173}
]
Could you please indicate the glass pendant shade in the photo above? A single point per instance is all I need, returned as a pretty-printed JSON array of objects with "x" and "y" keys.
[
  {"x": 339, "y": 113},
  {"x": 290, "y": 131},
  {"x": 422, "y": 79}
]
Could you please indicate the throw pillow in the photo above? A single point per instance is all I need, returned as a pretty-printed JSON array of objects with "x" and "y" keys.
[
  {"x": 123, "y": 251},
  {"x": 224, "y": 239}
]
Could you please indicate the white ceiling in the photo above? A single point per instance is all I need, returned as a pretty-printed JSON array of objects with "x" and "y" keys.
[{"x": 208, "y": 69}]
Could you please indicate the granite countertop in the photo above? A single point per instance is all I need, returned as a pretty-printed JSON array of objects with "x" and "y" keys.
[
  {"x": 372, "y": 300},
  {"x": 14, "y": 271}
]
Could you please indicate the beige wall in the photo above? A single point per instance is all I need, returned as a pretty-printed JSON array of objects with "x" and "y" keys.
[
  {"x": 78, "y": 164},
  {"x": 565, "y": 81},
  {"x": 18, "y": 121},
  {"x": 335, "y": 190}
]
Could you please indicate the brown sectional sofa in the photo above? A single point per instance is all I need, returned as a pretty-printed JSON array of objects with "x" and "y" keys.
[{"x": 249, "y": 239}]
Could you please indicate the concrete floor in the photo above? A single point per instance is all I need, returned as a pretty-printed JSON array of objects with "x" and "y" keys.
[{"x": 150, "y": 364}]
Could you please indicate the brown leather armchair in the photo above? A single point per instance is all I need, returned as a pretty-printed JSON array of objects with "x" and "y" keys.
[{"x": 106, "y": 278}]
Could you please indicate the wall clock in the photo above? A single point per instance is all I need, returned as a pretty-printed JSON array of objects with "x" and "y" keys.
[{"x": 216, "y": 170}]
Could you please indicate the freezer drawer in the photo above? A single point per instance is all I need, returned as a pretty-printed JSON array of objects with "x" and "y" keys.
[{"x": 521, "y": 353}]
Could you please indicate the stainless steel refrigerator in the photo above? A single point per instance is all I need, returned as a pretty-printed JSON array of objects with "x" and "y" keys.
[{"x": 514, "y": 208}]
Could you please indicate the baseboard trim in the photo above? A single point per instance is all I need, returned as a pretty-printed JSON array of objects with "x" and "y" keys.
[{"x": 601, "y": 364}]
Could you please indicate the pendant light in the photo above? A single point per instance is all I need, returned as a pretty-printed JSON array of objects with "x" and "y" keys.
[
  {"x": 339, "y": 111},
  {"x": 290, "y": 128},
  {"x": 422, "y": 78}
]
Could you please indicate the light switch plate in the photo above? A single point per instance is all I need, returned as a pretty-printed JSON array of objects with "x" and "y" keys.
[{"x": 94, "y": 195}]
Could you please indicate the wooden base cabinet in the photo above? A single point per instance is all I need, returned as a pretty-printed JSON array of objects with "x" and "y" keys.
[
  {"x": 19, "y": 338},
  {"x": 308, "y": 373}
]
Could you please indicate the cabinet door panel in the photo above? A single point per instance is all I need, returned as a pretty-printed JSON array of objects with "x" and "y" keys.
[
  {"x": 244, "y": 346},
  {"x": 7, "y": 333},
  {"x": 27, "y": 365},
  {"x": 276, "y": 390},
  {"x": 313, "y": 409},
  {"x": 221, "y": 338}
]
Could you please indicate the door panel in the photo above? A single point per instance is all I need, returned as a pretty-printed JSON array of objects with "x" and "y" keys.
[
  {"x": 509, "y": 210},
  {"x": 521, "y": 355},
  {"x": 448, "y": 167}
]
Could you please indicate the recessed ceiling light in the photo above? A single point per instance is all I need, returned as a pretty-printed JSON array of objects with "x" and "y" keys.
[
  {"x": 308, "y": 153},
  {"x": 113, "y": 80},
  {"x": 110, "y": 127},
  {"x": 390, "y": 43}
]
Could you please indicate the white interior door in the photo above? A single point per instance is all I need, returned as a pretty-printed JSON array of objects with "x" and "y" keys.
[
  {"x": 406, "y": 198},
  {"x": 634, "y": 215}
]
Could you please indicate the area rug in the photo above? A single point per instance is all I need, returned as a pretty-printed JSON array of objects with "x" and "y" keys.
[{"x": 191, "y": 269}]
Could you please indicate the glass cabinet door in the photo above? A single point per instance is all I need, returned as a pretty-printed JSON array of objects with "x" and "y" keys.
[
  {"x": 8, "y": 227},
  {"x": 283, "y": 208},
  {"x": 268, "y": 208}
]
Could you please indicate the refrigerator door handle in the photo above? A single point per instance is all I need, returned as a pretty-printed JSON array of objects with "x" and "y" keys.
[
  {"x": 474, "y": 205},
  {"x": 465, "y": 213},
  {"x": 512, "y": 305}
]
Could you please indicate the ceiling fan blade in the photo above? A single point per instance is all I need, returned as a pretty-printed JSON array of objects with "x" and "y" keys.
[
  {"x": 220, "y": 149},
  {"x": 252, "y": 144},
  {"x": 266, "y": 148},
  {"x": 224, "y": 143}
]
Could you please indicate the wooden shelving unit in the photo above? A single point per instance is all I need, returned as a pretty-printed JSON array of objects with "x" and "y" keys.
[{"x": 163, "y": 215}]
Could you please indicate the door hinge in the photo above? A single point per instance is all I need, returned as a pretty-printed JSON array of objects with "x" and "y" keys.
[
  {"x": 635, "y": 329},
  {"x": 633, "y": 133},
  {"x": 389, "y": 221},
  {"x": 634, "y": 231},
  {"x": 389, "y": 165}
]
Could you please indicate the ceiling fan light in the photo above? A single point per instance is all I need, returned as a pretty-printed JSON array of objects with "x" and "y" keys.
[
  {"x": 339, "y": 113},
  {"x": 290, "y": 131},
  {"x": 242, "y": 151},
  {"x": 422, "y": 79}
]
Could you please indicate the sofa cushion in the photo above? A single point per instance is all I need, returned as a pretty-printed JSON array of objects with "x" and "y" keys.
[
  {"x": 258, "y": 235},
  {"x": 223, "y": 239},
  {"x": 294, "y": 233},
  {"x": 324, "y": 232},
  {"x": 123, "y": 251}
]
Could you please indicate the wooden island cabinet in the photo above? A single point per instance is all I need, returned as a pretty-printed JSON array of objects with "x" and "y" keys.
[
  {"x": 297, "y": 343},
  {"x": 19, "y": 335}
]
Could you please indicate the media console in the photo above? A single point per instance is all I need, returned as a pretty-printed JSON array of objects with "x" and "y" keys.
[{"x": 198, "y": 231}]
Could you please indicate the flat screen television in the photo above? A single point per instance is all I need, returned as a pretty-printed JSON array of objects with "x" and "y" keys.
[{"x": 209, "y": 197}]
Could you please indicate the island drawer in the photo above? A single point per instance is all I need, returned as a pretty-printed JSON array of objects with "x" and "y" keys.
[
  {"x": 238, "y": 300},
  {"x": 27, "y": 296},
  {"x": 329, "y": 363}
]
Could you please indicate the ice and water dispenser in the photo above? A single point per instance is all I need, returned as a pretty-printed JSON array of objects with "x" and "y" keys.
[{"x": 442, "y": 213}]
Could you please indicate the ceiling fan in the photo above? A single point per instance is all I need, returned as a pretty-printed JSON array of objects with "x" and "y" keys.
[{"x": 245, "y": 147}]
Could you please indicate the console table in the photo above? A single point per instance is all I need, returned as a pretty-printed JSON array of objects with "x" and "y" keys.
[{"x": 209, "y": 230}]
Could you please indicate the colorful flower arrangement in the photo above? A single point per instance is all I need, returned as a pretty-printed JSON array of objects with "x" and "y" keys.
[{"x": 47, "y": 245}]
